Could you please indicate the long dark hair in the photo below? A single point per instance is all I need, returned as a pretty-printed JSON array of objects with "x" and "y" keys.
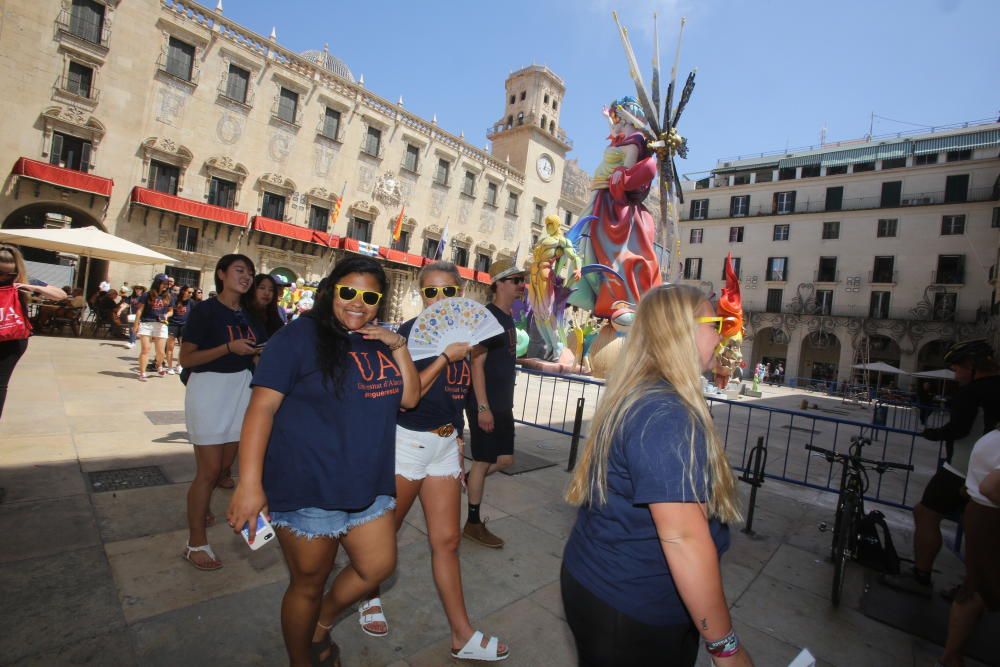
[
  {"x": 269, "y": 316},
  {"x": 333, "y": 343},
  {"x": 225, "y": 262}
]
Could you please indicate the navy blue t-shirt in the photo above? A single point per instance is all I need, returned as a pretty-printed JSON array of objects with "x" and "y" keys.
[
  {"x": 613, "y": 550},
  {"x": 334, "y": 452},
  {"x": 444, "y": 401},
  {"x": 181, "y": 310},
  {"x": 155, "y": 307},
  {"x": 212, "y": 324},
  {"x": 501, "y": 355}
]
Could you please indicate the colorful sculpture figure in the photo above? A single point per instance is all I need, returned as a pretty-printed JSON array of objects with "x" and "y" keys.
[
  {"x": 553, "y": 270},
  {"x": 617, "y": 231},
  {"x": 730, "y": 306}
]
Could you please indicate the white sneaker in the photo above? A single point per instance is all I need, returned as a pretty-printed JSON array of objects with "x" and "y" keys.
[
  {"x": 171, "y": 371},
  {"x": 130, "y": 345}
]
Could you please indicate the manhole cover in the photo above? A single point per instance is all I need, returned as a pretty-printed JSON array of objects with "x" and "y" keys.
[
  {"x": 126, "y": 478},
  {"x": 165, "y": 417}
]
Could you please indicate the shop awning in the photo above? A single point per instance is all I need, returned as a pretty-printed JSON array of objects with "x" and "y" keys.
[
  {"x": 867, "y": 154},
  {"x": 288, "y": 230},
  {"x": 61, "y": 177},
  {"x": 957, "y": 142},
  {"x": 192, "y": 209}
]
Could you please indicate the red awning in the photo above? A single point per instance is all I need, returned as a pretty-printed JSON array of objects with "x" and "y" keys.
[
  {"x": 401, "y": 257},
  {"x": 70, "y": 179},
  {"x": 279, "y": 228},
  {"x": 188, "y": 207},
  {"x": 484, "y": 277},
  {"x": 467, "y": 273}
]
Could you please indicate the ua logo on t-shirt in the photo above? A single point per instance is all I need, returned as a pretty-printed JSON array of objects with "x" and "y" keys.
[
  {"x": 459, "y": 373},
  {"x": 386, "y": 366}
]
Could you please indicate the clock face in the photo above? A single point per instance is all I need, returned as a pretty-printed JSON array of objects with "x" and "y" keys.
[{"x": 545, "y": 167}]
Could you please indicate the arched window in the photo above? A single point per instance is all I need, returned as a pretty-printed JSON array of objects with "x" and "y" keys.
[
  {"x": 510, "y": 122},
  {"x": 520, "y": 118},
  {"x": 552, "y": 126},
  {"x": 543, "y": 121}
]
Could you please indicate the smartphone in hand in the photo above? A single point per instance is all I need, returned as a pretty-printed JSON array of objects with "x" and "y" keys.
[{"x": 265, "y": 533}]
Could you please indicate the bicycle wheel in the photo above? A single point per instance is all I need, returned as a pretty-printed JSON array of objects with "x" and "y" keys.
[{"x": 842, "y": 545}]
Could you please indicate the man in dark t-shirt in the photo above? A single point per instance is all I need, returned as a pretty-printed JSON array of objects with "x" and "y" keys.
[{"x": 490, "y": 406}]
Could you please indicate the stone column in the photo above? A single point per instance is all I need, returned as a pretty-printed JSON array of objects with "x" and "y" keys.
[
  {"x": 907, "y": 363},
  {"x": 845, "y": 361},
  {"x": 398, "y": 285},
  {"x": 794, "y": 352}
]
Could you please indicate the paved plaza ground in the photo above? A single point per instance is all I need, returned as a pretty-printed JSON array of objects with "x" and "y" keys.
[{"x": 94, "y": 577}]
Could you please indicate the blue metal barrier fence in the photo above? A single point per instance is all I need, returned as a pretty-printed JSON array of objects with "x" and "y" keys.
[{"x": 548, "y": 401}]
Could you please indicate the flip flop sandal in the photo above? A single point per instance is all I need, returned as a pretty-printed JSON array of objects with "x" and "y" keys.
[
  {"x": 316, "y": 649},
  {"x": 473, "y": 649},
  {"x": 188, "y": 550},
  {"x": 366, "y": 618}
]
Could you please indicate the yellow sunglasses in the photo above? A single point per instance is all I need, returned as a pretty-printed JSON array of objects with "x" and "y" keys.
[
  {"x": 348, "y": 293},
  {"x": 717, "y": 319}
]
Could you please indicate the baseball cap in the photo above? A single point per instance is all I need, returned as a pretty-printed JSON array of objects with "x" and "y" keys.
[
  {"x": 504, "y": 268},
  {"x": 160, "y": 276}
]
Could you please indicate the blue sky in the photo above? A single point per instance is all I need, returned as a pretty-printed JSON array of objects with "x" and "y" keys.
[{"x": 771, "y": 73}]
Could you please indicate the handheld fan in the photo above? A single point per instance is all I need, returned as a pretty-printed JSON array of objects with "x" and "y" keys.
[{"x": 455, "y": 320}]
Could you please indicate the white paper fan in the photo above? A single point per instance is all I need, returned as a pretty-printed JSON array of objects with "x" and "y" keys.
[{"x": 455, "y": 320}]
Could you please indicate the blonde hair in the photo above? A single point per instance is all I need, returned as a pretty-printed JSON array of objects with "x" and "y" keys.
[{"x": 660, "y": 346}]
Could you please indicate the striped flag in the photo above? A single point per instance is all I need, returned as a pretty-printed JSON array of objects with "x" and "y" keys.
[
  {"x": 439, "y": 253},
  {"x": 397, "y": 229},
  {"x": 335, "y": 213}
]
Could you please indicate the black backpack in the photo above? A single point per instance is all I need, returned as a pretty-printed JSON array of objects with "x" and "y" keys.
[{"x": 874, "y": 550}]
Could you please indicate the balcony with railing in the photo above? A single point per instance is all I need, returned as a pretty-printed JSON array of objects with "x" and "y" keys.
[
  {"x": 94, "y": 30},
  {"x": 874, "y": 202},
  {"x": 73, "y": 87},
  {"x": 926, "y": 312},
  {"x": 883, "y": 277}
]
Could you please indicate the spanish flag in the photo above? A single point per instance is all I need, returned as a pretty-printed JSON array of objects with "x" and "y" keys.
[{"x": 397, "y": 228}]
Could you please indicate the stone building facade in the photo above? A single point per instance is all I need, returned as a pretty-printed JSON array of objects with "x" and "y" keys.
[
  {"x": 883, "y": 249},
  {"x": 169, "y": 125}
]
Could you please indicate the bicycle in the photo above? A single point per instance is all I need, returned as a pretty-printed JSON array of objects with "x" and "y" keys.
[{"x": 850, "y": 503}]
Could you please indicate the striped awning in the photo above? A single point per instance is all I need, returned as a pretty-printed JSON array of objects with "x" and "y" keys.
[
  {"x": 957, "y": 142},
  {"x": 867, "y": 154},
  {"x": 800, "y": 161}
]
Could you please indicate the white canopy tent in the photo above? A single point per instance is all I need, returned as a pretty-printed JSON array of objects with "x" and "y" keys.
[
  {"x": 879, "y": 367},
  {"x": 940, "y": 374},
  {"x": 89, "y": 242}
]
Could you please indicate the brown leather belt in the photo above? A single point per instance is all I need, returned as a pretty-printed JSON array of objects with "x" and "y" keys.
[{"x": 444, "y": 431}]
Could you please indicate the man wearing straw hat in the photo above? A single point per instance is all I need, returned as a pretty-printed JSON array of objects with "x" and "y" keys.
[{"x": 490, "y": 406}]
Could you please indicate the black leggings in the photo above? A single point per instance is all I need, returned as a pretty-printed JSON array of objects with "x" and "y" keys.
[
  {"x": 605, "y": 637},
  {"x": 10, "y": 354}
]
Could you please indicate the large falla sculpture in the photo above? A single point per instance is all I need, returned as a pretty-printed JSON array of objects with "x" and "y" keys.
[{"x": 625, "y": 250}]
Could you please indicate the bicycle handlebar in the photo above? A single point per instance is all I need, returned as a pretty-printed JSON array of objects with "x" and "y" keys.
[{"x": 846, "y": 458}]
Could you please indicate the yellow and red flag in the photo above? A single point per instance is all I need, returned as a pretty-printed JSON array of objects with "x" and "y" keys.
[
  {"x": 397, "y": 228},
  {"x": 335, "y": 213}
]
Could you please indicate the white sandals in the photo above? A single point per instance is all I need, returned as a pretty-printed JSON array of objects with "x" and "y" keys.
[
  {"x": 366, "y": 617},
  {"x": 473, "y": 649},
  {"x": 188, "y": 550}
]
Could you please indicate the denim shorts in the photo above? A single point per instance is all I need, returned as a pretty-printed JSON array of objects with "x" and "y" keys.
[{"x": 315, "y": 522}]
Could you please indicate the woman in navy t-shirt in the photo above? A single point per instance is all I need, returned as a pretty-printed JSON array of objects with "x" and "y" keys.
[
  {"x": 429, "y": 464},
  {"x": 219, "y": 348},
  {"x": 175, "y": 325},
  {"x": 317, "y": 450},
  {"x": 655, "y": 491},
  {"x": 155, "y": 307}
]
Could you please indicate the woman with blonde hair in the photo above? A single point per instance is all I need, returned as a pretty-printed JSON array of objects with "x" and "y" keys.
[{"x": 655, "y": 493}]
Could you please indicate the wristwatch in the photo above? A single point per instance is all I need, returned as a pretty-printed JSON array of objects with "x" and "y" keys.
[{"x": 483, "y": 407}]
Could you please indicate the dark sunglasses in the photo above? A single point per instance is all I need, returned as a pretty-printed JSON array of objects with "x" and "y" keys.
[
  {"x": 348, "y": 293},
  {"x": 447, "y": 290},
  {"x": 517, "y": 280}
]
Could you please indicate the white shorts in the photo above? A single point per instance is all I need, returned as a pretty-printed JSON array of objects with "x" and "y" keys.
[
  {"x": 153, "y": 329},
  {"x": 214, "y": 405},
  {"x": 422, "y": 454}
]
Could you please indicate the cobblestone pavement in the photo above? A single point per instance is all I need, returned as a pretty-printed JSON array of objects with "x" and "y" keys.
[{"x": 91, "y": 574}]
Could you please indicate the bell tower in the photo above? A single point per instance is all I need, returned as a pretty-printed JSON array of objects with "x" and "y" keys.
[{"x": 528, "y": 135}]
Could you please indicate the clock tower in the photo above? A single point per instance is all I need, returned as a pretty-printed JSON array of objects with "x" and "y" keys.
[{"x": 529, "y": 137}]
